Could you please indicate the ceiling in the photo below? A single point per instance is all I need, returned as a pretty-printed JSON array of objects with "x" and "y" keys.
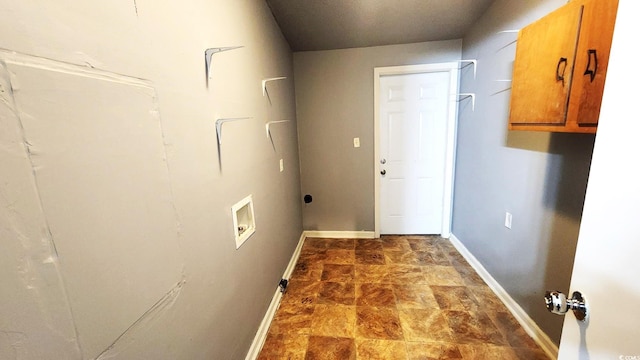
[{"x": 338, "y": 24}]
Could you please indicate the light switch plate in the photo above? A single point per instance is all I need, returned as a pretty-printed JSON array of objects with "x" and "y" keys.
[
  {"x": 507, "y": 220},
  {"x": 356, "y": 142},
  {"x": 281, "y": 165}
]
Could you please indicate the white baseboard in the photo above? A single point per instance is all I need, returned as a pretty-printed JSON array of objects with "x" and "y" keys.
[
  {"x": 539, "y": 336},
  {"x": 340, "y": 234},
  {"x": 261, "y": 335}
]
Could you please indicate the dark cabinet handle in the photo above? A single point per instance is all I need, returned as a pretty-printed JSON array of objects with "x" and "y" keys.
[
  {"x": 592, "y": 72},
  {"x": 383, "y": 172},
  {"x": 559, "y": 75}
]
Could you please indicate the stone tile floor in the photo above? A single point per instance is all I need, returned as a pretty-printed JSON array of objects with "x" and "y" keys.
[{"x": 397, "y": 297}]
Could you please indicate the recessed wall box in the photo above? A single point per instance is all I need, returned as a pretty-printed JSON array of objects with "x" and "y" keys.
[{"x": 244, "y": 224}]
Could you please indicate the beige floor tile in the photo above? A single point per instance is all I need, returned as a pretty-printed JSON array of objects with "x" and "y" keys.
[
  {"x": 433, "y": 351},
  {"x": 343, "y": 244},
  {"x": 442, "y": 275},
  {"x": 485, "y": 352},
  {"x": 397, "y": 243},
  {"x": 414, "y": 296},
  {"x": 378, "y": 323},
  {"x": 422, "y": 325},
  {"x": 339, "y": 256},
  {"x": 530, "y": 354},
  {"x": 331, "y": 348},
  {"x": 332, "y": 293},
  {"x": 279, "y": 346},
  {"x": 488, "y": 299},
  {"x": 369, "y": 244},
  {"x": 304, "y": 292},
  {"x": 292, "y": 318},
  {"x": 432, "y": 257},
  {"x": 371, "y": 273},
  {"x": 401, "y": 257},
  {"x": 307, "y": 269},
  {"x": 404, "y": 274},
  {"x": 470, "y": 276},
  {"x": 455, "y": 298},
  {"x": 474, "y": 328},
  {"x": 336, "y": 320},
  {"x": 374, "y": 294},
  {"x": 370, "y": 257},
  {"x": 511, "y": 329},
  {"x": 422, "y": 243},
  {"x": 381, "y": 350},
  {"x": 316, "y": 243},
  {"x": 337, "y": 273}
]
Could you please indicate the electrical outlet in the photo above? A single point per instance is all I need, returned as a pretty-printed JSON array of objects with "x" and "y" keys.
[
  {"x": 507, "y": 220},
  {"x": 356, "y": 142},
  {"x": 281, "y": 165}
]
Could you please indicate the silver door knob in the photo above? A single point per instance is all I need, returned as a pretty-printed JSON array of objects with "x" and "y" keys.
[
  {"x": 558, "y": 303},
  {"x": 383, "y": 161},
  {"x": 383, "y": 172}
]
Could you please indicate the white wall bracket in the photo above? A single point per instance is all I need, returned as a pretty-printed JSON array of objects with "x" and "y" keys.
[
  {"x": 268, "y": 126},
  {"x": 219, "y": 123},
  {"x": 268, "y": 129},
  {"x": 463, "y": 96},
  {"x": 265, "y": 81},
  {"x": 473, "y": 62},
  {"x": 502, "y": 88},
  {"x": 513, "y": 31},
  {"x": 208, "y": 54}
]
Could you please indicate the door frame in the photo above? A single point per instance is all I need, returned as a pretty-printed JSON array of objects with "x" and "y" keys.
[{"x": 452, "y": 117}]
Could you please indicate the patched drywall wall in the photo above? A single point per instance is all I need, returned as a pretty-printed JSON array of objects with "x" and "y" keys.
[
  {"x": 96, "y": 147},
  {"x": 334, "y": 98},
  {"x": 115, "y": 199},
  {"x": 540, "y": 178}
]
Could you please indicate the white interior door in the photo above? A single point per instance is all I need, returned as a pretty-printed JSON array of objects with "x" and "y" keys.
[
  {"x": 412, "y": 151},
  {"x": 607, "y": 264}
]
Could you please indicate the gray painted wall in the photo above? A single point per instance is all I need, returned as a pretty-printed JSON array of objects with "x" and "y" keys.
[
  {"x": 334, "y": 104},
  {"x": 222, "y": 293},
  {"x": 538, "y": 177}
]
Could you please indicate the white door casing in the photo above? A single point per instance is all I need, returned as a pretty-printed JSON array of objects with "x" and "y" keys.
[
  {"x": 415, "y": 123},
  {"x": 607, "y": 260}
]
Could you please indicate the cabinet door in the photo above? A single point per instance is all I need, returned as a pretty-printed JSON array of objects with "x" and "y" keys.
[
  {"x": 543, "y": 68},
  {"x": 592, "y": 59}
]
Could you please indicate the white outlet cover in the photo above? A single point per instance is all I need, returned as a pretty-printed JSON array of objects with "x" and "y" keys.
[{"x": 356, "y": 142}]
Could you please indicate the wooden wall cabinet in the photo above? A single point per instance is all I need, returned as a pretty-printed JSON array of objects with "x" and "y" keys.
[{"x": 560, "y": 68}]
